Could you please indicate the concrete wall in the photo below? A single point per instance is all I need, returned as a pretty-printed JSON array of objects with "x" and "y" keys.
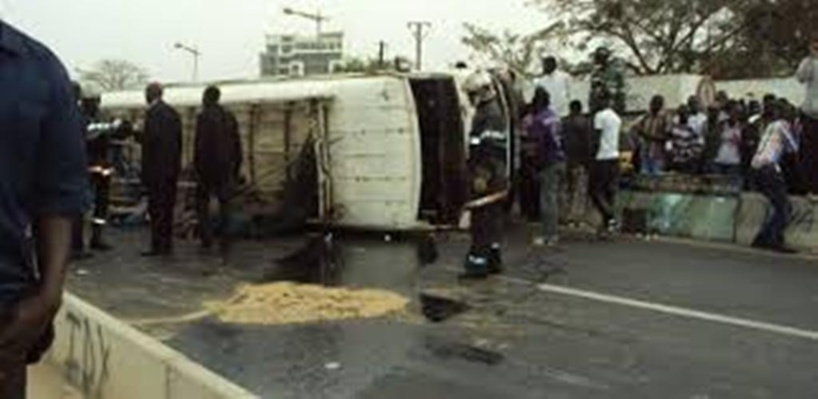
[
  {"x": 105, "y": 359},
  {"x": 729, "y": 218}
]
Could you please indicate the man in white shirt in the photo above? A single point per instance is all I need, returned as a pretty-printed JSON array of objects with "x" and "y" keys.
[
  {"x": 808, "y": 75},
  {"x": 557, "y": 83},
  {"x": 604, "y": 176},
  {"x": 697, "y": 120}
]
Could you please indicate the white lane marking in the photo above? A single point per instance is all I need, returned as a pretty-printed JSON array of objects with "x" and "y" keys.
[{"x": 682, "y": 312}]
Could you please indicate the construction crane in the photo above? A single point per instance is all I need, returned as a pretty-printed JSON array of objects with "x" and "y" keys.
[{"x": 316, "y": 17}]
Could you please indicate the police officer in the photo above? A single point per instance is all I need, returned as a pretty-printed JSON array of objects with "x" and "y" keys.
[
  {"x": 607, "y": 78},
  {"x": 487, "y": 168}
]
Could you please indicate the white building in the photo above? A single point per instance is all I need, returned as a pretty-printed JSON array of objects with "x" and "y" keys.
[{"x": 295, "y": 55}]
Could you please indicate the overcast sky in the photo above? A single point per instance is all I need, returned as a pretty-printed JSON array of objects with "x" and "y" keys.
[{"x": 230, "y": 33}]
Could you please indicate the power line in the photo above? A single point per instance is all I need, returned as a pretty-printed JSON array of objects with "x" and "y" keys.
[{"x": 420, "y": 32}]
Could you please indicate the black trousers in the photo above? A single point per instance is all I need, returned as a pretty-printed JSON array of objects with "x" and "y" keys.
[
  {"x": 224, "y": 192},
  {"x": 161, "y": 204},
  {"x": 528, "y": 193},
  {"x": 771, "y": 183},
  {"x": 809, "y": 154},
  {"x": 603, "y": 184}
]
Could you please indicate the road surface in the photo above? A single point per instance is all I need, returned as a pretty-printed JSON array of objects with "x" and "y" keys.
[{"x": 625, "y": 319}]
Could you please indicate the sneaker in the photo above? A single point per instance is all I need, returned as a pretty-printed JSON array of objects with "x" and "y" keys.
[{"x": 552, "y": 242}]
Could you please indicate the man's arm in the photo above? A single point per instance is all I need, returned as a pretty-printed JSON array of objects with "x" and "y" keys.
[{"x": 60, "y": 189}]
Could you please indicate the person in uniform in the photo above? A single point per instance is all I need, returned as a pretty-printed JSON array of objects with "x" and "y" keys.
[
  {"x": 487, "y": 170},
  {"x": 217, "y": 161},
  {"x": 607, "y": 80},
  {"x": 98, "y": 144},
  {"x": 161, "y": 164}
]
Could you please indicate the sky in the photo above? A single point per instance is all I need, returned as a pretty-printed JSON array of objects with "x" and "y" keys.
[{"x": 230, "y": 33}]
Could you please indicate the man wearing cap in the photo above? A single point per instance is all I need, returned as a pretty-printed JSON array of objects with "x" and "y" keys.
[
  {"x": 43, "y": 184},
  {"x": 161, "y": 164},
  {"x": 607, "y": 80}
]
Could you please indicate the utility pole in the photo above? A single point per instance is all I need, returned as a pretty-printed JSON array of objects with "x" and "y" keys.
[
  {"x": 381, "y": 54},
  {"x": 419, "y": 31}
]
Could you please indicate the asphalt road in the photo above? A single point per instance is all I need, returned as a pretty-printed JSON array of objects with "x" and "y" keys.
[{"x": 625, "y": 319}]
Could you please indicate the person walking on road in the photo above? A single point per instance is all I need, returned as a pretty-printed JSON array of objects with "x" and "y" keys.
[
  {"x": 43, "y": 187},
  {"x": 161, "y": 164},
  {"x": 544, "y": 134},
  {"x": 217, "y": 160},
  {"x": 577, "y": 137},
  {"x": 604, "y": 179},
  {"x": 776, "y": 141}
]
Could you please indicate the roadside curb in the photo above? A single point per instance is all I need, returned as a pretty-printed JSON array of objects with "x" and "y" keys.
[{"x": 106, "y": 359}]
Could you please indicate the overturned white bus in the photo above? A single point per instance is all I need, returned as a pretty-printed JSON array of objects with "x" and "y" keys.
[{"x": 390, "y": 149}]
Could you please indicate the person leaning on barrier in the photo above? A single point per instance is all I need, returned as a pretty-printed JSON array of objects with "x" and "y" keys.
[
  {"x": 776, "y": 142},
  {"x": 43, "y": 184}
]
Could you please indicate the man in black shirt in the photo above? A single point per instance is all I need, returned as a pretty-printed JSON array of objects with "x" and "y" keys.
[
  {"x": 217, "y": 160},
  {"x": 161, "y": 164}
]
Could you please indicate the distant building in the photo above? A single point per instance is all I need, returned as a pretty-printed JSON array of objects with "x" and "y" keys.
[{"x": 294, "y": 55}]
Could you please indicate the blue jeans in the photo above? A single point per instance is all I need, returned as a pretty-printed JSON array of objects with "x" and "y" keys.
[
  {"x": 652, "y": 166},
  {"x": 771, "y": 183},
  {"x": 552, "y": 181},
  {"x": 724, "y": 169}
]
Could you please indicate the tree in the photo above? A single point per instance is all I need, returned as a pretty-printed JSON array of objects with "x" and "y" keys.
[
  {"x": 658, "y": 36},
  {"x": 113, "y": 75},
  {"x": 514, "y": 51}
]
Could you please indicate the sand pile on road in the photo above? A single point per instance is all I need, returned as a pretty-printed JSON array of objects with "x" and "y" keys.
[{"x": 289, "y": 303}]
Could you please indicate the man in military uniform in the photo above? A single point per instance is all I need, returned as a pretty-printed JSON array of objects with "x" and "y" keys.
[
  {"x": 487, "y": 167},
  {"x": 607, "y": 78}
]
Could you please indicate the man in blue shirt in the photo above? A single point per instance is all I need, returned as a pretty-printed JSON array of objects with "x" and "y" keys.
[{"x": 42, "y": 187}]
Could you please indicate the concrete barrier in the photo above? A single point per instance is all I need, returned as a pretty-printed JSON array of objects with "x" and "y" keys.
[
  {"x": 704, "y": 217},
  {"x": 106, "y": 359}
]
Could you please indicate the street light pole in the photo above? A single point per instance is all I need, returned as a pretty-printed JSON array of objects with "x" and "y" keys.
[
  {"x": 193, "y": 51},
  {"x": 316, "y": 17}
]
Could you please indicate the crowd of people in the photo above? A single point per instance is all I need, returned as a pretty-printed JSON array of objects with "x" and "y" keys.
[{"x": 570, "y": 157}]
